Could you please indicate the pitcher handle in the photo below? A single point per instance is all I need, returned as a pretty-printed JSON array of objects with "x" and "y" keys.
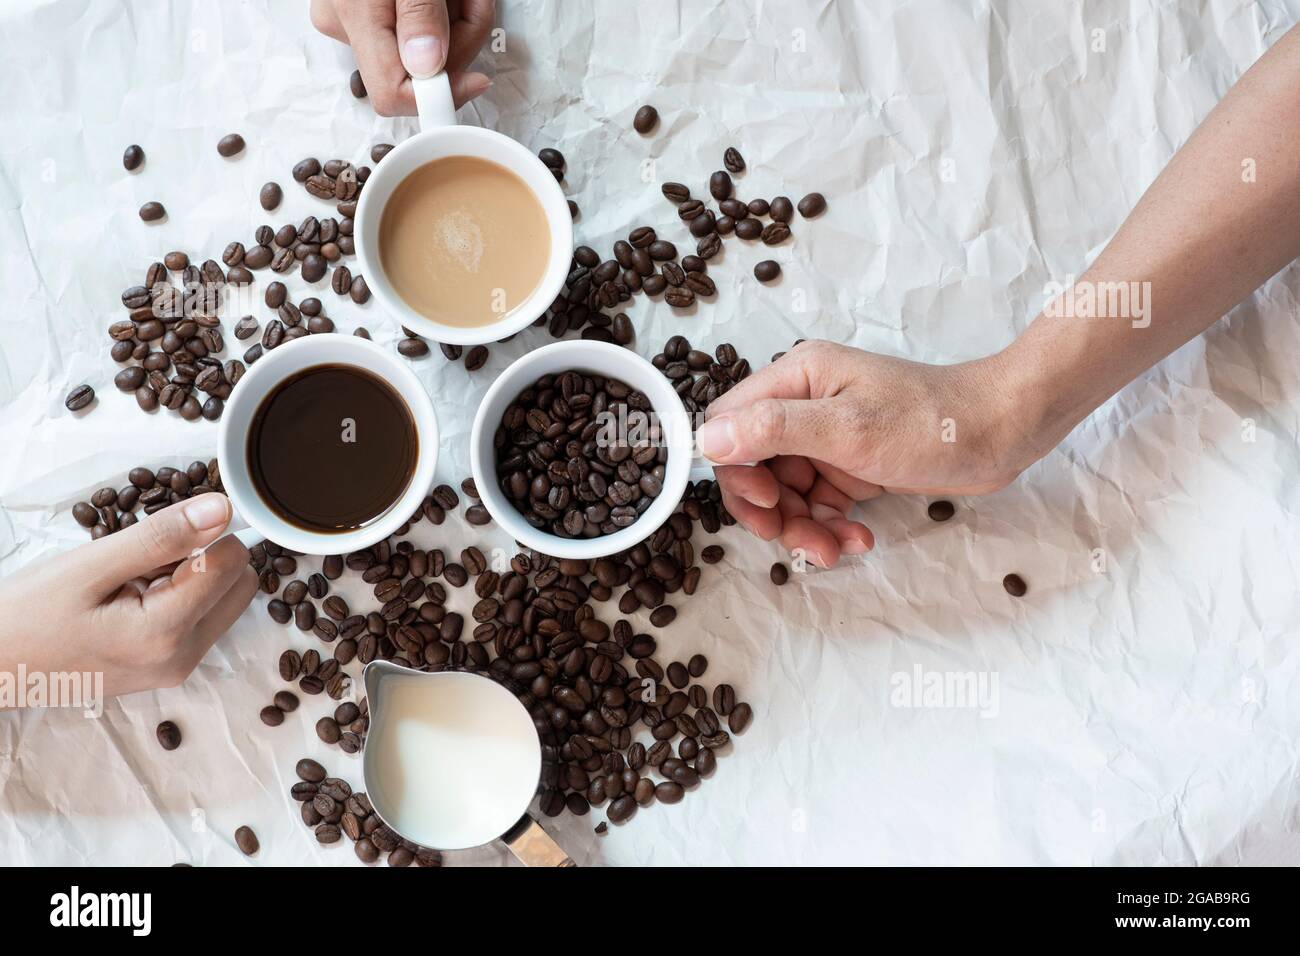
[{"x": 533, "y": 846}]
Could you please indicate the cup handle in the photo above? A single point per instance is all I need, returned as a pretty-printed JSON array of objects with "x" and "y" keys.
[
  {"x": 533, "y": 846},
  {"x": 702, "y": 468},
  {"x": 433, "y": 100},
  {"x": 240, "y": 529}
]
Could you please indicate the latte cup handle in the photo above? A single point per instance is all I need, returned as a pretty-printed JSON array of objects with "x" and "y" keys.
[
  {"x": 533, "y": 846},
  {"x": 702, "y": 468},
  {"x": 433, "y": 101}
]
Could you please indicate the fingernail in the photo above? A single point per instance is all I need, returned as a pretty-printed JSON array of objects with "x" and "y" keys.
[
  {"x": 717, "y": 438},
  {"x": 207, "y": 511},
  {"x": 853, "y": 546},
  {"x": 423, "y": 56}
]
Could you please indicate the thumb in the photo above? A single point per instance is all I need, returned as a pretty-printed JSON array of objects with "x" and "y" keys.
[
  {"x": 165, "y": 536},
  {"x": 422, "y": 32},
  {"x": 770, "y": 427}
]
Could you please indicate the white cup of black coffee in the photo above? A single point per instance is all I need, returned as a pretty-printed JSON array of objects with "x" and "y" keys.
[{"x": 328, "y": 445}]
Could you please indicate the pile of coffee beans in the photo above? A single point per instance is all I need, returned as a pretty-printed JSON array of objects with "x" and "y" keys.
[
  {"x": 170, "y": 342},
  {"x": 111, "y": 509},
  {"x": 579, "y": 455},
  {"x": 646, "y": 262},
  {"x": 333, "y": 810},
  {"x": 697, "y": 376},
  {"x": 534, "y": 627}
]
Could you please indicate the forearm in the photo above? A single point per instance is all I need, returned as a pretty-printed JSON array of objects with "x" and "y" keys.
[{"x": 1221, "y": 218}]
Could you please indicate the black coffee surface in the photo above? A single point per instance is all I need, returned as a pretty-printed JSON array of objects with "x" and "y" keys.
[{"x": 332, "y": 448}]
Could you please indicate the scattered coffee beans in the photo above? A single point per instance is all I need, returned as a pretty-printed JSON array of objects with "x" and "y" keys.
[
  {"x": 1015, "y": 585},
  {"x": 133, "y": 158},
  {"x": 246, "y": 840},
  {"x": 270, "y": 196},
  {"x": 645, "y": 119},
  {"x": 230, "y": 145},
  {"x": 79, "y": 398},
  {"x": 941, "y": 510},
  {"x": 169, "y": 735},
  {"x": 814, "y": 204}
]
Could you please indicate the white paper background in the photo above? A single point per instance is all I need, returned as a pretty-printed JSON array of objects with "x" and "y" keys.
[{"x": 1147, "y": 715}]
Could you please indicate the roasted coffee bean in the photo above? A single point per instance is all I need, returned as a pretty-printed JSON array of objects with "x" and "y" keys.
[
  {"x": 720, "y": 185},
  {"x": 739, "y": 718},
  {"x": 246, "y": 840},
  {"x": 359, "y": 292},
  {"x": 270, "y": 196},
  {"x": 709, "y": 246},
  {"x": 551, "y": 158},
  {"x": 476, "y": 358},
  {"x": 305, "y": 169},
  {"x": 309, "y": 771},
  {"x": 814, "y": 204},
  {"x": 733, "y": 208},
  {"x": 79, "y": 398},
  {"x": 132, "y": 158},
  {"x": 774, "y": 233},
  {"x": 357, "y": 85},
  {"x": 941, "y": 510},
  {"x": 272, "y": 716},
  {"x": 152, "y": 211},
  {"x": 767, "y": 270},
  {"x": 676, "y": 192},
  {"x": 413, "y": 348},
  {"x": 341, "y": 280},
  {"x": 679, "y": 298},
  {"x": 1015, "y": 585},
  {"x": 781, "y": 210},
  {"x": 230, "y": 145},
  {"x": 669, "y": 792},
  {"x": 749, "y": 228},
  {"x": 169, "y": 735},
  {"x": 287, "y": 701},
  {"x": 779, "y": 574},
  {"x": 732, "y": 159},
  {"x": 314, "y": 267},
  {"x": 274, "y": 298},
  {"x": 700, "y": 284},
  {"x": 646, "y": 118},
  {"x": 129, "y": 379},
  {"x": 690, "y": 209},
  {"x": 259, "y": 257}
]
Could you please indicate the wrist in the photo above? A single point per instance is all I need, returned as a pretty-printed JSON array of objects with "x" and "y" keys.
[{"x": 1039, "y": 394}]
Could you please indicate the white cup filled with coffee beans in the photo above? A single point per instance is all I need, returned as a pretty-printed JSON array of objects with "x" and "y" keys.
[
  {"x": 464, "y": 235},
  {"x": 328, "y": 446},
  {"x": 582, "y": 449},
  {"x": 453, "y": 759}
]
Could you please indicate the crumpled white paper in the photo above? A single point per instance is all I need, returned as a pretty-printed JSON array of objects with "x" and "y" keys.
[{"x": 1145, "y": 708}]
